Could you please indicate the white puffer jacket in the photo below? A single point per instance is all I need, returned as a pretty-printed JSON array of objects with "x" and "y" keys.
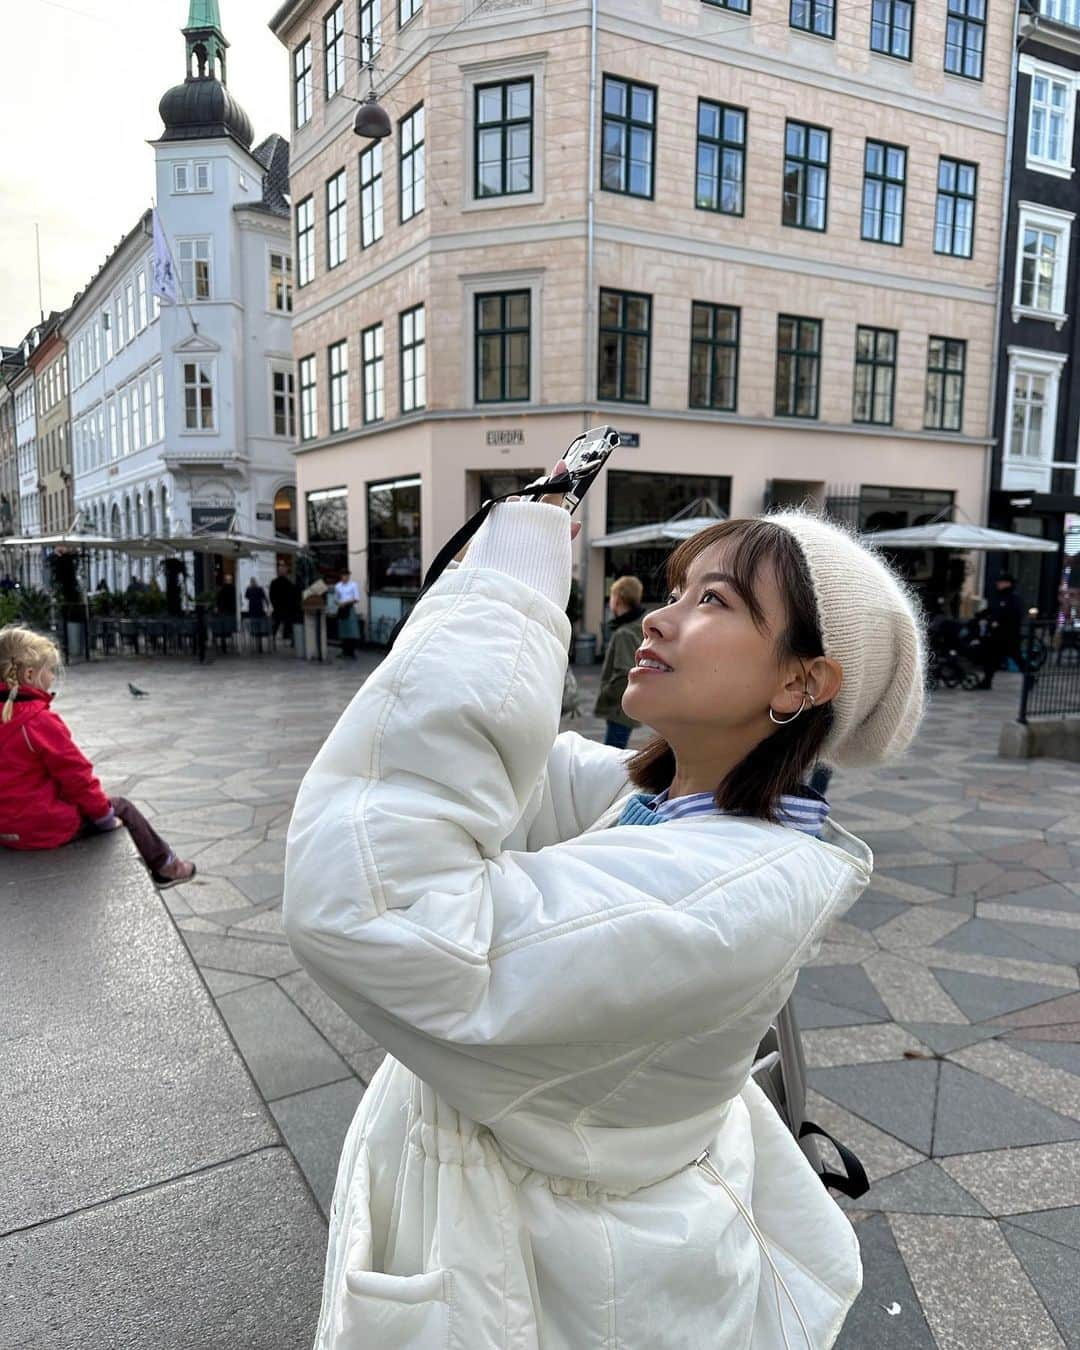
[{"x": 571, "y": 1010}]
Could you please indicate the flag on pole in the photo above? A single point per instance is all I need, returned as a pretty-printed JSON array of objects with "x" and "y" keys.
[{"x": 164, "y": 267}]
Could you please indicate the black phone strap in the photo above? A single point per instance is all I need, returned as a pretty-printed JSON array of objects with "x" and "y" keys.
[{"x": 457, "y": 542}]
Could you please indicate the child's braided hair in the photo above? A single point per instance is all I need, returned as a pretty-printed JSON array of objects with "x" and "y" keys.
[{"x": 22, "y": 649}]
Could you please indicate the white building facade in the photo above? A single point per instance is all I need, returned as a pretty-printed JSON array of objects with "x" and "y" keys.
[
  {"x": 182, "y": 414},
  {"x": 24, "y": 391}
]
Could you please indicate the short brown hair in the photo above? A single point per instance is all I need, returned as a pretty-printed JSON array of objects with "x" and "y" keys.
[
  {"x": 627, "y": 589},
  {"x": 780, "y": 762}
]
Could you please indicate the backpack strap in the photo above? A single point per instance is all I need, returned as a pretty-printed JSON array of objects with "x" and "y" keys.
[{"x": 856, "y": 1182}]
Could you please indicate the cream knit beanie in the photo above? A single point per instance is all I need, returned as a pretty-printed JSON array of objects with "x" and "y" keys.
[{"x": 870, "y": 625}]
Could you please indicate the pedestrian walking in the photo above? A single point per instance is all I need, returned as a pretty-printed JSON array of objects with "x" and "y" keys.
[
  {"x": 1002, "y": 619},
  {"x": 572, "y": 955},
  {"x": 620, "y": 658},
  {"x": 256, "y": 599},
  {"x": 226, "y": 609},
  {"x": 49, "y": 793},
  {"x": 347, "y": 595},
  {"x": 284, "y": 602}
]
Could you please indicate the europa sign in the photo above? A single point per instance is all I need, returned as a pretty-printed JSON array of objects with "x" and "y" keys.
[{"x": 506, "y": 438}]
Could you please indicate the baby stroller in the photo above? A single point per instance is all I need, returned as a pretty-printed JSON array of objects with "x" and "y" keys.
[{"x": 957, "y": 649}]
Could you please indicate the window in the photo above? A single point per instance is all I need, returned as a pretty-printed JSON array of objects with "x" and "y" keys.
[
  {"x": 147, "y": 410},
  {"x": 155, "y": 303},
  {"x": 1029, "y": 396},
  {"x": 370, "y": 21},
  {"x": 198, "y": 396},
  {"x": 339, "y": 386},
  {"x": 159, "y": 392},
  {"x": 140, "y": 299},
  {"x": 625, "y": 322},
  {"x": 1063, "y": 11},
  {"x": 181, "y": 178},
  {"x": 954, "y": 216},
  {"x": 714, "y": 356},
  {"x": 806, "y": 176},
  {"x": 502, "y": 336},
  {"x": 281, "y": 283},
  {"x": 1042, "y": 262},
  {"x": 328, "y": 530},
  {"x": 393, "y": 532},
  {"x": 629, "y": 126},
  {"x": 202, "y": 176},
  {"x": 413, "y": 360},
  {"x": 965, "y": 35},
  {"x": 374, "y": 393},
  {"x": 884, "y": 176},
  {"x": 309, "y": 422},
  {"x": 114, "y": 436},
  {"x": 283, "y": 385},
  {"x": 411, "y": 156},
  {"x": 194, "y": 268},
  {"x": 302, "y": 83},
  {"x": 814, "y": 16},
  {"x": 371, "y": 195},
  {"x": 406, "y": 10},
  {"x": 334, "y": 47},
  {"x": 136, "y": 417},
  {"x": 891, "y": 22},
  {"x": 875, "y": 375},
  {"x": 721, "y": 158},
  {"x": 1051, "y": 105},
  {"x": 739, "y": 6},
  {"x": 503, "y": 133},
  {"x": 118, "y": 321},
  {"x": 1031, "y": 418},
  {"x": 125, "y": 423},
  {"x": 305, "y": 241},
  {"x": 337, "y": 234},
  {"x": 798, "y": 365},
  {"x": 945, "y": 361}
]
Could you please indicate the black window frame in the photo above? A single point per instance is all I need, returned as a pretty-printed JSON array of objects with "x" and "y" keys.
[
  {"x": 796, "y": 351},
  {"x": 504, "y": 123},
  {"x": 369, "y": 16},
  {"x": 804, "y": 162},
  {"x": 723, "y": 146},
  {"x": 300, "y": 75},
  {"x": 414, "y": 346},
  {"x": 303, "y": 389},
  {"x": 955, "y": 196},
  {"x": 368, "y": 185},
  {"x": 885, "y": 180},
  {"x": 410, "y": 156},
  {"x": 335, "y": 378},
  {"x": 336, "y": 46},
  {"x": 942, "y": 369},
  {"x": 733, "y": 6},
  {"x": 333, "y": 229},
  {"x": 622, "y": 332},
  {"x": 628, "y": 123},
  {"x": 712, "y": 344},
  {"x": 959, "y": 19},
  {"x": 811, "y": 9},
  {"x": 875, "y": 364},
  {"x": 414, "y": 7},
  {"x": 503, "y": 331},
  {"x": 368, "y": 367},
  {"x": 302, "y": 235},
  {"x": 287, "y": 395},
  {"x": 888, "y": 25}
]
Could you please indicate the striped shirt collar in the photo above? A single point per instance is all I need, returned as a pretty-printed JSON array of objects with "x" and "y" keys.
[{"x": 805, "y": 811}]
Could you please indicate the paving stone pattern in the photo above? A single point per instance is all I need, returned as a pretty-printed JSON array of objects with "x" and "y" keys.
[{"x": 941, "y": 1017}]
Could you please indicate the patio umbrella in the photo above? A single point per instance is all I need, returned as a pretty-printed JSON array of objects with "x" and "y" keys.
[
  {"x": 699, "y": 515},
  {"x": 229, "y": 545},
  {"x": 104, "y": 543},
  {"x": 961, "y": 537}
]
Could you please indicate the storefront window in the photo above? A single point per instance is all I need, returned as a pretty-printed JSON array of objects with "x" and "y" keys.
[
  {"x": 285, "y": 512},
  {"x": 394, "y": 537},
  {"x": 328, "y": 531},
  {"x": 646, "y": 499}
]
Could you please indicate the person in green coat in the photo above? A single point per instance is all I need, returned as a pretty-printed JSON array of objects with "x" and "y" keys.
[{"x": 619, "y": 658}]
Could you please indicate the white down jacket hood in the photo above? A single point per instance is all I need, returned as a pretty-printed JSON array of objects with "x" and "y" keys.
[{"x": 571, "y": 1008}]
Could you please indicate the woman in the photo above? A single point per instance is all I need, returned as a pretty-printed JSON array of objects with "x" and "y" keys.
[
  {"x": 347, "y": 594},
  {"x": 562, "y": 1149}
]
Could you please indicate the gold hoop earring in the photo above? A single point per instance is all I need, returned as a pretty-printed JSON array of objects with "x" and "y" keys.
[{"x": 786, "y": 721}]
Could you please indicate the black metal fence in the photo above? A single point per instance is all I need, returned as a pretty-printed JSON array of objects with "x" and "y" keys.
[{"x": 1052, "y": 680}]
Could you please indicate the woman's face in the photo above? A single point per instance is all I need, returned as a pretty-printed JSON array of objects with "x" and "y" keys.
[{"x": 724, "y": 672}]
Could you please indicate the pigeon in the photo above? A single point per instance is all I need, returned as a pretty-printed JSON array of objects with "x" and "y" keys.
[{"x": 136, "y": 692}]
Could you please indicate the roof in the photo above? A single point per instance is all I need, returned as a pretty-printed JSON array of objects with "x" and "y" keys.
[
  {"x": 141, "y": 226},
  {"x": 283, "y": 14},
  {"x": 273, "y": 155}
]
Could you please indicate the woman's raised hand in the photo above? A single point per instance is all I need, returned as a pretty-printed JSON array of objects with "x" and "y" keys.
[{"x": 556, "y": 498}]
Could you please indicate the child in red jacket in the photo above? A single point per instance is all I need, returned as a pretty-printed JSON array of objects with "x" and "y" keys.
[{"x": 49, "y": 793}]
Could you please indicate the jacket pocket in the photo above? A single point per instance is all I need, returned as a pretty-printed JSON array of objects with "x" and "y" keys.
[{"x": 395, "y": 1312}]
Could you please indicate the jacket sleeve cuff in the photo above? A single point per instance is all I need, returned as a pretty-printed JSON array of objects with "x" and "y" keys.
[
  {"x": 529, "y": 541},
  {"x": 103, "y": 822}
]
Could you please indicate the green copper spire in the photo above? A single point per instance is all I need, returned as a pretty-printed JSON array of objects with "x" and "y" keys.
[{"x": 205, "y": 41}]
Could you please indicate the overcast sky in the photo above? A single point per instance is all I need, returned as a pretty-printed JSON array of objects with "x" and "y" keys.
[{"x": 78, "y": 101}]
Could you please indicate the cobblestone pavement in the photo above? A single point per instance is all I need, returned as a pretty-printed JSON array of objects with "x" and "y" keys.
[{"x": 942, "y": 1018}]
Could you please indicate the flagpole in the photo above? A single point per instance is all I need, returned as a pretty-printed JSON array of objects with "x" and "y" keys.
[{"x": 177, "y": 274}]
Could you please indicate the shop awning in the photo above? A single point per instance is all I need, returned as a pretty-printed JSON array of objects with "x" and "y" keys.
[
  {"x": 961, "y": 537},
  {"x": 102, "y": 543},
  {"x": 231, "y": 545},
  {"x": 697, "y": 516}
]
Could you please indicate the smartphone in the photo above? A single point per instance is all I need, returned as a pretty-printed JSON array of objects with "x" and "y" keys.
[{"x": 585, "y": 457}]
